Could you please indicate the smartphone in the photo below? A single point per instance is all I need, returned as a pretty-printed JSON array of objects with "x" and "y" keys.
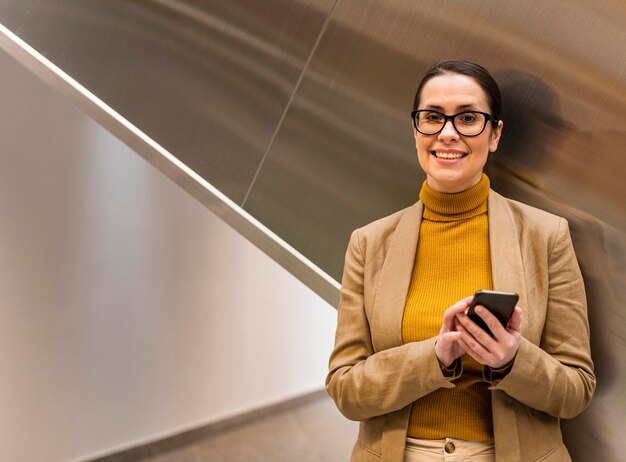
[{"x": 501, "y": 304}]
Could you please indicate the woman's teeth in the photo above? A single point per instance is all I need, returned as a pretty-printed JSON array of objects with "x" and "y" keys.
[{"x": 449, "y": 155}]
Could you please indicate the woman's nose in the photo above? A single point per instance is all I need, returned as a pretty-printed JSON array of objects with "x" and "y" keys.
[{"x": 448, "y": 131}]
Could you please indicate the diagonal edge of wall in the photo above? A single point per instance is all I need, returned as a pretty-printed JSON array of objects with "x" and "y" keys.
[{"x": 244, "y": 223}]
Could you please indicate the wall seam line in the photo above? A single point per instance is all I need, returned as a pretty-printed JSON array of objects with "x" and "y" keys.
[{"x": 289, "y": 102}]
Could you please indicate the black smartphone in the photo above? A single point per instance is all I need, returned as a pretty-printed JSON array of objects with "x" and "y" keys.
[{"x": 501, "y": 304}]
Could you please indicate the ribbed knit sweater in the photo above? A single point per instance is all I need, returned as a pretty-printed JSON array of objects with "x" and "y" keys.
[{"x": 452, "y": 262}]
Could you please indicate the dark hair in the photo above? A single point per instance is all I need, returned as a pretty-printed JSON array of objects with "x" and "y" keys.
[{"x": 476, "y": 72}]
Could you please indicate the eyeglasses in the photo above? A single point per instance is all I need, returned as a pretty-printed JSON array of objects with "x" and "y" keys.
[{"x": 468, "y": 123}]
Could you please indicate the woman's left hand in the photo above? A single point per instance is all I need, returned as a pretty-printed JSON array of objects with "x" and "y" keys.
[{"x": 496, "y": 351}]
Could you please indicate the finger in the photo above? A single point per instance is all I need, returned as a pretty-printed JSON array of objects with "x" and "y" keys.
[
  {"x": 515, "y": 323},
  {"x": 494, "y": 324},
  {"x": 476, "y": 331},
  {"x": 450, "y": 313},
  {"x": 495, "y": 353},
  {"x": 447, "y": 339},
  {"x": 446, "y": 347},
  {"x": 463, "y": 344},
  {"x": 473, "y": 343},
  {"x": 459, "y": 306}
]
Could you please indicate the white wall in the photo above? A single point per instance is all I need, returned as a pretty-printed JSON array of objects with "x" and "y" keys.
[{"x": 127, "y": 310}]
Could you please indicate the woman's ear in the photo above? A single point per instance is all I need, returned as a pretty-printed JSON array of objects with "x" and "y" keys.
[{"x": 495, "y": 137}]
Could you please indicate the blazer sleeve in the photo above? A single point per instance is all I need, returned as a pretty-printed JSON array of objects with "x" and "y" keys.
[
  {"x": 364, "y": 383},
  {"x": 557, "y": 376}
]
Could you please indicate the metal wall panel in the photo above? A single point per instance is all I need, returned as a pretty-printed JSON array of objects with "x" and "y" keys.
[{"x": 208, "y": 80}]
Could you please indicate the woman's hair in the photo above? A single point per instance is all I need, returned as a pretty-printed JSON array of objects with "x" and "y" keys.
[{"x": 476, "y": 72}]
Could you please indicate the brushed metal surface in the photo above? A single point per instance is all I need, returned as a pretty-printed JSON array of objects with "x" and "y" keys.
[{"x": 208, "y": 80}]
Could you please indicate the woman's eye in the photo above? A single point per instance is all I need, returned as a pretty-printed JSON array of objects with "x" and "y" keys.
[
  {"x": 467, "y": 118},
  {"x": 433, "y": 117}
]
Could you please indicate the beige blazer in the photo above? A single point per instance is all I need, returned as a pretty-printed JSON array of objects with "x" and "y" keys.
[{"x": 374, "y": 378}]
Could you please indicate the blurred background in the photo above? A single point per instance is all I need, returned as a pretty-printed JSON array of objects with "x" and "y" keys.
[{"x": 180, "y": 179}]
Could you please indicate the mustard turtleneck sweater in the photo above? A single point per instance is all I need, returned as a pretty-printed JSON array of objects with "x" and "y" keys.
[{"x": 452, "y": 262}]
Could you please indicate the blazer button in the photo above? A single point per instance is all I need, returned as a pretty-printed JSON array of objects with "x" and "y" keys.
[{"x": 449, "y": 447}]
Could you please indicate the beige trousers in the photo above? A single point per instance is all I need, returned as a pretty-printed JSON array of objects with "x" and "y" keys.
[{"x": 448, "y": 450}]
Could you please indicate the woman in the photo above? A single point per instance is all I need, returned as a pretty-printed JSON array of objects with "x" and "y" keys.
[{"x": 424, "y": 380}]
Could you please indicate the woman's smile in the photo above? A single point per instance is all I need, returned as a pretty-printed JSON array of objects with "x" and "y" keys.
[{"x": 448, "y": 154}]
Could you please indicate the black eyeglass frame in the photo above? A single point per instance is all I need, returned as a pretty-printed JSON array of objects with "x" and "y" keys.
[{"x": 488, "y": 117}]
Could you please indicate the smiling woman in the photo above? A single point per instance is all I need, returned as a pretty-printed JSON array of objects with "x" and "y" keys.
[
  {"x": 452, "y": 161},
  {"x": 423, "y": 379}
]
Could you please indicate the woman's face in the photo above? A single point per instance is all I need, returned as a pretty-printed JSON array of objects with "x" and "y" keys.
[{"x": 451, "y": 94}]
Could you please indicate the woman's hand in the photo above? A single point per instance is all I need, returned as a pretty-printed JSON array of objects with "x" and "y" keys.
[
  {"x": 447, "y": 347},
  {"x": 496, "y": 351}
]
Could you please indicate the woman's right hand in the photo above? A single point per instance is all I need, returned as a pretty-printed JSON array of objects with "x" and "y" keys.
[{"x": 447, "y": 348}]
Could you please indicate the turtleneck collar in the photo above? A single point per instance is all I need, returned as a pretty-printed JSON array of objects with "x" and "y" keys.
[{"x": 440, "y": 206}]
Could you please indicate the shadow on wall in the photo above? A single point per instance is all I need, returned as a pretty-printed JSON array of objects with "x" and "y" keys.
[{"x": 530, "y": 154}]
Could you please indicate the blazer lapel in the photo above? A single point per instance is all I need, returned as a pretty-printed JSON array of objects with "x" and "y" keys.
[
  {"x": 507, "y": 266},
  {"x": 394, "y": 280}
]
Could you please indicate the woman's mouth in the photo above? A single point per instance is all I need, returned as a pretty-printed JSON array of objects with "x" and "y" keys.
[{"x": 448, "y": 155}]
